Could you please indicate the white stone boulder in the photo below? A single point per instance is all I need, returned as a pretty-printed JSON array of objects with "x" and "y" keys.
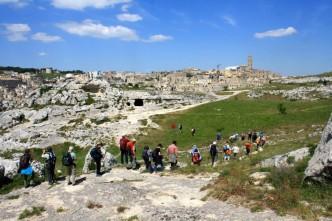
[
  {"x": 286, "y": 160},
  {"x": 106, "y": 164},
  {"x": 10, "y": 167},
  {"x": 40, "y": 116},
  {"x": 320, "y": 165}
]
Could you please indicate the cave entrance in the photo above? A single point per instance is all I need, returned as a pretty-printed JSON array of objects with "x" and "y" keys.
[{"x": 138, "y": 102}]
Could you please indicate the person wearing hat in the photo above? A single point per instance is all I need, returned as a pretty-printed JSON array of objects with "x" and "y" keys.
[
  {"x": 132, "y": 153},
  {"x": 213, "y": 152}
]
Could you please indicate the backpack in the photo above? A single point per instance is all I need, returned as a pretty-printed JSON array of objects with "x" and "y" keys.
[
  {"x": 228, "y": 152},
  {"x": 123, "y": 144},
  {"x": 213, "y": 149},
  {"x": 24, "y": 161},
  {"x": 145, "y": 155},
  {"x": 95, "y": 154},
  {"x": 51, "y": 159},
  {"x": 67, "y": 160},
  {"x": 196, "y": 157}
]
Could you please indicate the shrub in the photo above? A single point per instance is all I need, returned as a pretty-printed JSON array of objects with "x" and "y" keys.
[
  {"x": 92, "y": 88},
  {"x": 90, "y": 100},
  {"x": 281, "y": 108},
  {"x": 36, "y": 211},
  {"x": 92, "y": 205}
]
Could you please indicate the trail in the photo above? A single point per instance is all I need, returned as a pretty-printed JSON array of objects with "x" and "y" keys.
[{"x": 150, "y": 197}]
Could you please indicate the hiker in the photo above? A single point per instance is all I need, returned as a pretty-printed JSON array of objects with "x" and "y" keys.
[
  {"x": 157, "y": 158},
  {"x": 196, "y": 157},
  {"x": 248, "y": 146},
  {"x": 213, "y": 152},
  {"x": 132, "y": 153},
  {"x": 249, "y": 135},
  {"x": 257, "y": 142},
  {"x": 235, "y": 150},
  {"x": 180, "y": 128},
  {"x": 172, "y": 152},
  {"x": 262, "y": 141},
  {"x": 193, "y": 131},
  {"x": 50, "y": 161},
  {"x": 227, "y": 151},
  {"x": 243, "y": 136},
  {"x": 25, "y": 168},
  {"x": 253, "y": 137},
  {"x": 218, "y": 137},
  {"x": 68, "y": 160},
  {"x": 123, "y": 148},
  {"x": 147, "y": 157},
  {"x": 97, "y": 156}
]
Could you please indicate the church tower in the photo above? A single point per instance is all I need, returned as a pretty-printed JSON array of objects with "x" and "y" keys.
[{"x": 249, "y": 65}]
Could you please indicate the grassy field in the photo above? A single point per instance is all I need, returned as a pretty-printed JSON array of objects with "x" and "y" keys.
[{"x": 286, "y": 131}]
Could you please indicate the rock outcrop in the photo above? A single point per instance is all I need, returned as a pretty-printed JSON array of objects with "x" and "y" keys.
[
  {"x": 320, "y": 165},
  {"x": 106, "y": 164},
  {"x": 286, "y": 160}
]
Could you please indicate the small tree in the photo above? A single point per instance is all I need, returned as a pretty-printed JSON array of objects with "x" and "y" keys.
[{"x": 281, "y": 108}]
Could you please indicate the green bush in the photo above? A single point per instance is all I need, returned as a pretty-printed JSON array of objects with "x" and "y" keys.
[
  {"x": 281, "y": 108},
  {"x": 36, "y": 211}
]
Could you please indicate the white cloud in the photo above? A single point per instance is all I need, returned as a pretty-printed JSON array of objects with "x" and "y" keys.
[
  {"x": 95, "y": 29},
  {"x": 82, "y": 4},
  {"x": 276, "y": 33},
  {"x": 40, "y": 36},
  {"x": 125, "y": 7},
  {"x": 16, "y": 32},
  {"x": 18, "y": 3},
  {"x": 158, "y": 38},
  {"x": 229, "y": 20},
  {"x": 42, "y": 54},
  {"x": 129, "y": 17}
]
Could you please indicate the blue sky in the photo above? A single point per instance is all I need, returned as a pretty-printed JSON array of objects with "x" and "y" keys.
[{"x": 285, "y": 36}]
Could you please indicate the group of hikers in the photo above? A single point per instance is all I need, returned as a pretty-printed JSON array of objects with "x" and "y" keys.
[{"x": 153, "y": 158}]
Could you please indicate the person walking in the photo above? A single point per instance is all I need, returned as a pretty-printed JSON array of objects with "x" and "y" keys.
[
  {"x": 218, "y": 136},
  {"x": 193, "y": 131},
  {"x": 50, "y": 161},
  {"x": 97, "y": 156},
  {"x": 180, "y": 128},
  {"x": 196, "y": 157},
  {"x": 25, "y": 168},
  {"x": 213, "y": 152},
  {"x": 157, "y": 158},
  {"x": 147, "y": 157},
  {"x": 123, "y": 148},
  {"x": 68, "y": 160},
  {"x": 172, "y": 152},
  {"x": 131, "y": 147},
  {"x": 235, "y": 150}
]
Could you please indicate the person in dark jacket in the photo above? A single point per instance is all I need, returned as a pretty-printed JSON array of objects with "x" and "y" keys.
[
  {"x": 97, "y": 156},
  {"x": 25, "y": 168},
  {"x": 157, "y": 159},
  {"x": 50, "y": 161},
  {"x": 147, "y": 157},
  {"x": 213, "y": 152}
]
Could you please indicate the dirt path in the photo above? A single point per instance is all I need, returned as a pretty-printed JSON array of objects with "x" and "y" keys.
[{"x": 146, "y": 196}]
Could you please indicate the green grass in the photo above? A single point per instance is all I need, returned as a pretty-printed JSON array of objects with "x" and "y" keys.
[
  {"x": 238, "y": 114},
  {"x": 35, "y": 211}
]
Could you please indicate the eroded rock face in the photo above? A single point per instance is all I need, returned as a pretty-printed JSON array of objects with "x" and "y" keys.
[
  {"x": 286, "y": 160},
  {"x": 320, "y": 165}
]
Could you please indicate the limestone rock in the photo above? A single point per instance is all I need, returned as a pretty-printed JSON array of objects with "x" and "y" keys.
[
  {"x": 258, "y": 178},
  {"x": 106, "y": 164},
  {"x": 10, "y": 167},
  {"x": 286, "y": 160},
  {"x": 11, "y": 118},
  {"x": 40, "y": 116},
  {"x": 320, "y": 165}
]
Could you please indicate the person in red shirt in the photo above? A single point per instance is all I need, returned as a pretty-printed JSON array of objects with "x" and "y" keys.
[
  {"x": 248, "y": 146},
  {"x": 123, "y": 148},
  {"x": 172, "y": 152},
  {"x": 132, "y": 153}
]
